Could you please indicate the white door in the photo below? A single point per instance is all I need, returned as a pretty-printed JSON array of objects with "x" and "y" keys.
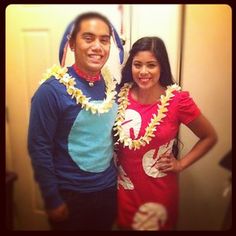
[
  {"x": 164, "y": 21},
  {"x": 33, "y": 34}
]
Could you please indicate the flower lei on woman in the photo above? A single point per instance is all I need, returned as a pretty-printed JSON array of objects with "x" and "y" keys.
[
  {"x": 60, "y": 73},
  {"x": 152, "y": 126}
]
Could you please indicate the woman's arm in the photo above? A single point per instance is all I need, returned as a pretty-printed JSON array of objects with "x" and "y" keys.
[{"x": 203, "y": 129}]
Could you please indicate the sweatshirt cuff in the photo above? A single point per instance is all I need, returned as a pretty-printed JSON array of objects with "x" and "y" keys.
[{"x": 53, "y": 201}]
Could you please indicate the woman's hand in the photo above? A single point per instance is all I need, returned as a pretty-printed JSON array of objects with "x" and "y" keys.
[{"x": 168, "y": 162}]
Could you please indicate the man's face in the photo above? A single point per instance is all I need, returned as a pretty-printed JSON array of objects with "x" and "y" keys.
[{"x": 92, "y": 46}]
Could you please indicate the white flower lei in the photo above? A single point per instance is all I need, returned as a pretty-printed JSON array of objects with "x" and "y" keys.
[
  {"x": 60, "y": 73},
  {"x": 152, "y": 126}
]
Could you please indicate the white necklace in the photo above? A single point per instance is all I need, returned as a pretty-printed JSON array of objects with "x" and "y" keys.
[
  {"x": 152, "y": 126},
  {"x": 60, "y": 73}
]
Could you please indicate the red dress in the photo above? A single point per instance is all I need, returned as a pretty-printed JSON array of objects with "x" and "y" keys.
[{"x": 141, "y": 187}]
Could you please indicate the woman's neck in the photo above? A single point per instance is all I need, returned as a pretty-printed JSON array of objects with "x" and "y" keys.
[{"x": 147, "y": 96}]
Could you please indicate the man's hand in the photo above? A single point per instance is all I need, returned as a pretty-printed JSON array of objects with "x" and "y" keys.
[{"x": 58, "y": 214}]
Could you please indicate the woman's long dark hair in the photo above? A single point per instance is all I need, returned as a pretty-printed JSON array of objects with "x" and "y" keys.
[{"x": 157, "y": 47}]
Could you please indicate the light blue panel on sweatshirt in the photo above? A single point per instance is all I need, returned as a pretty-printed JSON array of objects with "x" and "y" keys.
[{"x": 90, "y": 143}]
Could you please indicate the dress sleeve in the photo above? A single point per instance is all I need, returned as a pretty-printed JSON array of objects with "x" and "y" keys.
[{"x": 187, "y": 108}]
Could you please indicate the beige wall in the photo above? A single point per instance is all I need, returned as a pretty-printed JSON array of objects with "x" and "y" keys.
[{"x": 206, "y": 73}]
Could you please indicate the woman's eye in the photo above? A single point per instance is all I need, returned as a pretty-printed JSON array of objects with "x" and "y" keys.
[
  {"x": 137, "y": 65},
  {"x": 151, "y": 66}
]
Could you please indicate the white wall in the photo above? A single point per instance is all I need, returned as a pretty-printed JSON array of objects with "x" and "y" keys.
[{"x": 160, "y": 20}]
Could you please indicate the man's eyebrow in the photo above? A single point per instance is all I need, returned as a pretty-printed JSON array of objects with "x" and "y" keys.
[
  {"x": 91, "y": 34},
  {"x": 105, "y": 36},
  {"x": 88, "y": 33}
]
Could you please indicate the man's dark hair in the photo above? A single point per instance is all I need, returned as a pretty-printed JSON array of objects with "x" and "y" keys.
[{"x": 87, "y": 16}]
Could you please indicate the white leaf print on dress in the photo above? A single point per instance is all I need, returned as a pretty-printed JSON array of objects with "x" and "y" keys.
[
  {"x": 150, "y": 216},
  {"x": 132, "y": 122},
  {"x": 151, "y": 157}
]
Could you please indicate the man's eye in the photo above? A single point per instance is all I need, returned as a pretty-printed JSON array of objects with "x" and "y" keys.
[
  {"x": 105, "y": 41},
  {"x": 88, "y": 38}
]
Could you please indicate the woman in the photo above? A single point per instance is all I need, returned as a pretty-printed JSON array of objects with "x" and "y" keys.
[{"x": 151, "y": 109}]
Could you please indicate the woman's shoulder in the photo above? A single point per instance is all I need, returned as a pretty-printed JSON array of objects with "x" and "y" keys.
[
  {"x": 182, "y": 97},
  {"x": 184, "y": 103},
  {"x": 182, "y": 94}
]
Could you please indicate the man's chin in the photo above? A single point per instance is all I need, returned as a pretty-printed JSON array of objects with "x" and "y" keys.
[{"x": 96, "y": 68}]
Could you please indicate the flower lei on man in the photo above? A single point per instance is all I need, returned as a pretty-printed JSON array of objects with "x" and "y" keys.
[
  {"x": 60, "y": 73},
  {"x": 152, "y": 126}
]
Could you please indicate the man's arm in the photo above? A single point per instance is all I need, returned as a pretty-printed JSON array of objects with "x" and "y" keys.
[{"x": 44, "y": 115}]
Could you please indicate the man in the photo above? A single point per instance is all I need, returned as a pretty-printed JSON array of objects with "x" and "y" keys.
[{"x": 70, "y": 133}]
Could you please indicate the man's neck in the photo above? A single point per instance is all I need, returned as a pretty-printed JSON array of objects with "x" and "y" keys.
[{"x": 84, "y": 75}]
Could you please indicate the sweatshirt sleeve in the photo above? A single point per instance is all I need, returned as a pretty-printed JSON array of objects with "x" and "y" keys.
[{"x": 44, "y": 115}]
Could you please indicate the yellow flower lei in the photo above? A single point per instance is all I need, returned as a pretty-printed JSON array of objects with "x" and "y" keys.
[
  {"x": 155, "y": 121},
  {"x": 60, "y": 73}
]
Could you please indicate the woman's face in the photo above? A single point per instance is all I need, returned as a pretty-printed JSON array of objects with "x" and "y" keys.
[{"x": 146, "y": 70}]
